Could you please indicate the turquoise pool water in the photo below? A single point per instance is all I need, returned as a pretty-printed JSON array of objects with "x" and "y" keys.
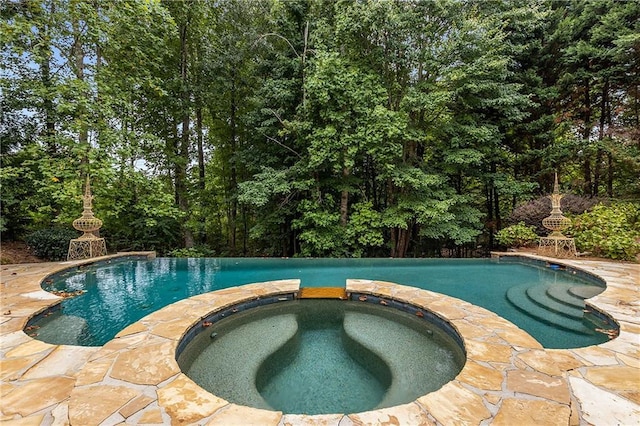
[{"x": 122, "y": 292}]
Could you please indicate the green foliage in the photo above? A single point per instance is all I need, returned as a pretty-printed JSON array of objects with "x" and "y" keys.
[
  {"x": 611, "y": 231},
  {"x": 51, "y": 243},
  {"x": 364, "y": 230},
  {"x": 137, "y": 211},
  {"x": 519, "y": 235},
  {"x": 198, "y": 251},
  {"x": 314, "y": 128},
  {"x": 320, "y": 233}
]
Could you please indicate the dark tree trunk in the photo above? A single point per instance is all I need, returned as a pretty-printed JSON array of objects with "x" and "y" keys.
[
  {"x": 183, "y": 154},
  {"x": 496, "y": 199},
  {"x": 586, "y": 135},
  {"x": 200, "y": 146},
  {"x": 83, "y": 134},
  {"x": 601, "y": 134},
  {"x": 610, "y": 175},
  {"x": 233, "y": 178},
  {"x": 344, "y": 198}
]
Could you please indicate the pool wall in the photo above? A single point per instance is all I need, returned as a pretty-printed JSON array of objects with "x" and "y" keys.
[
  {"x": 215, "y": 316},
  {"x": 590, "y": 277},
  {"x": 412, "y": 309}
]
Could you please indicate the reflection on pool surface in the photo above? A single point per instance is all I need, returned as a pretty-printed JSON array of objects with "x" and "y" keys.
[{"x": 122, "y": 292}]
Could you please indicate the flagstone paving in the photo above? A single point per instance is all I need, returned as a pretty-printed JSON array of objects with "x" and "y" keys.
[{"x": 508, "y": 377}]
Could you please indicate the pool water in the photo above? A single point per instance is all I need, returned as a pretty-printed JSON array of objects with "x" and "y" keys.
[{"x": 119, "y": 293}]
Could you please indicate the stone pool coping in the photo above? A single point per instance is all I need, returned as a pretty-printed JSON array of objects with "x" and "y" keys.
[{"x": 134, "y": 379}]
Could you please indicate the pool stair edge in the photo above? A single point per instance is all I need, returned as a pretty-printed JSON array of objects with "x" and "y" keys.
[
  {"x": 538, "y": 295},
  {"x": 517, "y": 297},
  {"x": 562, "y": 294}
]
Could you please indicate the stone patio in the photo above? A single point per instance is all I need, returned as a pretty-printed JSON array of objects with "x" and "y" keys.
[{"x": 508, "y": 379}]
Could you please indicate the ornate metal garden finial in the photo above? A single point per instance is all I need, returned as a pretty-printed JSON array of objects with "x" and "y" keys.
[
  {"x": 556, "y": 222},
  {"x": 88, "y": 223},
  {"x": 556, "y": 244},
  {"x": 87, "y": 245}
]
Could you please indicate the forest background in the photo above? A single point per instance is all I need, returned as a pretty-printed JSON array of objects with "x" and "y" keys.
[{"x": 314, "y": 128}]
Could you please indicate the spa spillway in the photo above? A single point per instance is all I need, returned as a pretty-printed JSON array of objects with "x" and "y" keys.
[{"x": 320, "y": 356}]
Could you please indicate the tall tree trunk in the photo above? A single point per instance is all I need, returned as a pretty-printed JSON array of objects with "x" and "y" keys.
[
  {"x": 403, "y": 240},
  {"x": 83, "y": 134},
  {"x": 200, "y": 145},
  {"x": 44, "y": 57},
  {"x": 344, "y": 198},
  {"x": 610, "y": 175},
  {"x": 586, "y": 135},
  {"x": 183, "y": 155},
  {"x": 233, "y": 179},
  {"x": 490, "y": 222},
  {"x": 597, "y": 168},
  {"x": 496, "y": 198},
  {"x": 394, "y": 242},
  {"x": 245, "y": 231}
]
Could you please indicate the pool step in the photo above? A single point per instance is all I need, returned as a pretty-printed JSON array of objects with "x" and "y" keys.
[
  {"x": 62, "y": 330},
  {"x": 322, "y": 293},
  {"x": 585, "y": 291},
  {"x": 518, "y": 297},
  {"x": 538, "y": 294},
  {"x": 561, "y": 293}
]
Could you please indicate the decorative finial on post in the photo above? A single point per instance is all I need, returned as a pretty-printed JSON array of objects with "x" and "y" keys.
[
  {"x": 87, "y": 245},
  {"x": 88, "y": 223},
  {"x": 555, "y": 201},
  {"x": 88, "y": 198},
  {"x": 556, "y": 222}
]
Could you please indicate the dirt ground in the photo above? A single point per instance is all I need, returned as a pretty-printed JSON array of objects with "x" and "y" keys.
[{"x": 16, "y": 252}]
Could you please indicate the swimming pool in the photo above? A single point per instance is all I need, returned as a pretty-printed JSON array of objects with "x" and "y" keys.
[{"x": 114, "y": 295}]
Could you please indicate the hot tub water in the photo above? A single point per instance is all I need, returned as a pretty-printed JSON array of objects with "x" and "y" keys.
[{"x": 322, "y": 356}]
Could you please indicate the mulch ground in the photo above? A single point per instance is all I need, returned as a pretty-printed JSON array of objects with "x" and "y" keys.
[{"x": 16, "y": 252}]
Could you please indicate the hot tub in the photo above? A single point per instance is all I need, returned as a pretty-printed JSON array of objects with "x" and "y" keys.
[{"x": 319, "y": 356}]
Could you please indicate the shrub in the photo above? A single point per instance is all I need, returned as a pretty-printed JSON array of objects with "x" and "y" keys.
[
  {"x": 519, "y": 235},
  {"x": 51, "y": 243},
  {"x": 531, "y": 213},
  {"x": 611, "y": 231},
  {"x": 199, "y": 251}
]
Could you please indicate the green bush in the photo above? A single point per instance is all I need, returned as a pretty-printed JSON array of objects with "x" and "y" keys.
[
  {"x": 519, "y": 235},
  {"x": 199, "y": 251},
  {"x": 51, "y": 243},
  {"x": 611, "y": 231}
]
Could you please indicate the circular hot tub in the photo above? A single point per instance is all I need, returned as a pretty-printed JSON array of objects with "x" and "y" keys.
[{"x": 319, "y": 356}]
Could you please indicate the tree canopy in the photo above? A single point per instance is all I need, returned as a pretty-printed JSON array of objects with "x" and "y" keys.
[{"x": 312, "y": 128}]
